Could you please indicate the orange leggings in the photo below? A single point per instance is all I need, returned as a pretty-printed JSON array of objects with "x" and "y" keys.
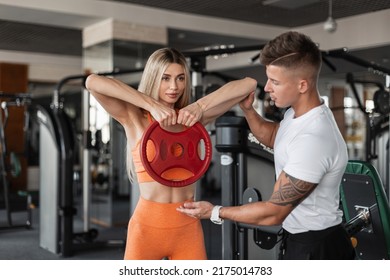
[{"x": 158, "y": 230}]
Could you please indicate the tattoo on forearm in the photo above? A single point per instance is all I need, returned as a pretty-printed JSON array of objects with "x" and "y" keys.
[{"x": 292, "y": 192}]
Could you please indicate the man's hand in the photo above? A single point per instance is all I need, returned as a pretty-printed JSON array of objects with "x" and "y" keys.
[
  {"x": 198, "y": 210},
  {"x": 247, "y": 103}
]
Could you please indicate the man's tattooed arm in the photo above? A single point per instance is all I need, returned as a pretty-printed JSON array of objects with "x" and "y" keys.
[{"x": 291, "y": 191}]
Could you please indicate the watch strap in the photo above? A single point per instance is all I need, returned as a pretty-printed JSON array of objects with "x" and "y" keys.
[{"x": 215, "y": 215}]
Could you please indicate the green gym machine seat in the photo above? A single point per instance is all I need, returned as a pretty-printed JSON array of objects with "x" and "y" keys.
[{"x": 366, "y": 210}]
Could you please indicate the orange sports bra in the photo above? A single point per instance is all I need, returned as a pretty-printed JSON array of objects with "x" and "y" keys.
[{"x": 177, "y": 174}]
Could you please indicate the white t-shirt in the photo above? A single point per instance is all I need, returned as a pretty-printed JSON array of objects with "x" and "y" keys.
[{"x": 311, "y": 148}]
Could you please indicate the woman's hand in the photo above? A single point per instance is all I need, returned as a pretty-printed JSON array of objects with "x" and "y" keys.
[
  {"x": 190, "y": 114},
  {"x": 164, "y": 115}
]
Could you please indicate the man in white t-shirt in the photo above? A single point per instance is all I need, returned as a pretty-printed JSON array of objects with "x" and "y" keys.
[{"x": 310, "y": 157}]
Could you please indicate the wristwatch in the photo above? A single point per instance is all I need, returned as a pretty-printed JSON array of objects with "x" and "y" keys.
[{"x": 215, "y": 215}]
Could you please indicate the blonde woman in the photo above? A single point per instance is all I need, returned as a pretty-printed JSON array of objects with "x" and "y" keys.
[{"x": 156, "y": 229}]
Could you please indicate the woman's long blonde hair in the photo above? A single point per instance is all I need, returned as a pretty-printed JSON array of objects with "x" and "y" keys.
[{"x": 150, "y": 84}]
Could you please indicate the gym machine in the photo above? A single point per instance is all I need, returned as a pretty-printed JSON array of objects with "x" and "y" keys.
[
  {"x": 377, "y": 123},
  {"x": 366, "y": 208},
  {"x": 377, "y": 127},
  {"x": 57, "y": 159},
  {"x": 247, "y": 174},
  {"x": 11, "y": 201}
]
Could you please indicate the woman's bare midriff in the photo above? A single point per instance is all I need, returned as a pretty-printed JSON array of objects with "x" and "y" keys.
[{"x": 156, "y": 192}]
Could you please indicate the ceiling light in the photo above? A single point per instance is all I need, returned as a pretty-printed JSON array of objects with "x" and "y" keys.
[{"x": 330, "y": 24}]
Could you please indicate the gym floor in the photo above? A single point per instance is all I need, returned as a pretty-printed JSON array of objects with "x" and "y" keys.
[{"x": 23, "y": 244}]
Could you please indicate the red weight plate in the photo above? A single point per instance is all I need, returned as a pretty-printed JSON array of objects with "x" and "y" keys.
[{"x": 176, "y": 150}]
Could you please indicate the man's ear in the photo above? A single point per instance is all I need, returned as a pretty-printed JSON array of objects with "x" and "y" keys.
[{"x": 303, "y": 86}]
